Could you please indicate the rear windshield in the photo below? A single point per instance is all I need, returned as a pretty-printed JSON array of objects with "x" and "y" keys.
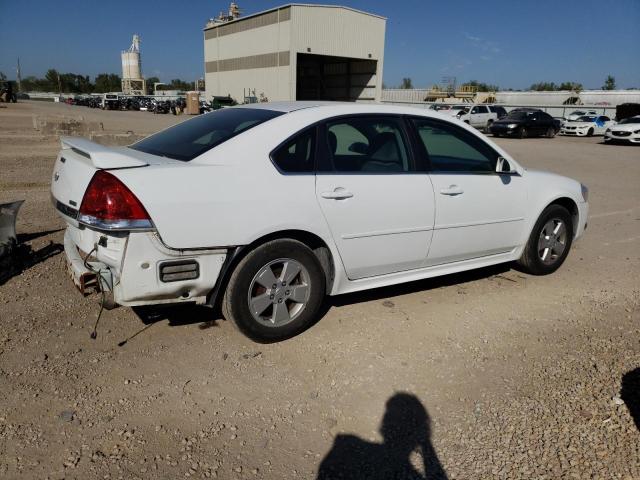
[{"x": 190, "y": 139}]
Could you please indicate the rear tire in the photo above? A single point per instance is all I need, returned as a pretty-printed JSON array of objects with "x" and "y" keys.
[
  {"x": 549, "y": 242},
  {"x": 276, "y": 291}
]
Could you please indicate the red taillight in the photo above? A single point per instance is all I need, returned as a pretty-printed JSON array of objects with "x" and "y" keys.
[{"x": 108, "y": 203}]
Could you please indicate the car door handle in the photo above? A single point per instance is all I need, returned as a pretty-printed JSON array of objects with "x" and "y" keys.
[
  {"x": 452, "y": 190},
  {"x": 337, "y": 194}
]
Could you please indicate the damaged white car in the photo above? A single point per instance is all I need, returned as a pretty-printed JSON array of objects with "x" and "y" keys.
[{"x": 265, "y": 209}]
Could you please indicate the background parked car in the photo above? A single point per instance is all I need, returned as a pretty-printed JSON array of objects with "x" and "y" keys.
[
  {"x": 110, "y": 102},
  {"x": 7, "y": 92},
  {"x": 482, "y": 116},
  {"x": 575, "y": 115},
  {"x": 587, "y": 126},
  {"x": 455, "y": 110},
  {"x": 627, "y": 110},
  {"x": 525, "y": 123},
  {"x": 628, "y": 130}
]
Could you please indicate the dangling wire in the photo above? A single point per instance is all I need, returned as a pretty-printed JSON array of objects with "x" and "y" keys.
[{"x": 94, "y": 333}]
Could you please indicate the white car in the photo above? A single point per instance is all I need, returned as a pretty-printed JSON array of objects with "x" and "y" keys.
[
  {"x": 627, "y": 130},
  {"x": 587, "y": 126},
  {"x": 576, "y": 114},
  {"x": 456, "y": 110},
  {"x": 482, "y": 116},
  {"x": 266, "y": 208}
]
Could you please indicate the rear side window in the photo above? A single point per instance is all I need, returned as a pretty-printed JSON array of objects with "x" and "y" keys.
[
  {"x": 298, "y": 154},
  {"x": 367, "y": 145},
  {"x": 452, "y": 149},
  {"x": 192, "y": 138}
]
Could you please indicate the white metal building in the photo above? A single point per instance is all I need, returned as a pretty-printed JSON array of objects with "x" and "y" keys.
[{"x": 296, "y": 52}]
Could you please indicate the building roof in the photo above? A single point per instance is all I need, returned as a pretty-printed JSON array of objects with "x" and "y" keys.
[{"x": 257, "y": 14}]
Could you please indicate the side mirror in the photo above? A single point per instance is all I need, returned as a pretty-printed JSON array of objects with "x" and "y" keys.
[{"x": 503, "y": 166}]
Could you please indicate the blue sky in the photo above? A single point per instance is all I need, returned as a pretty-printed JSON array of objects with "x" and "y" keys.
[{"x": 509, "y": 43}]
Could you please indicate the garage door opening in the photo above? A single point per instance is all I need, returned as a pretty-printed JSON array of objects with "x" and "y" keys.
[{"x": 322, "y": 77}]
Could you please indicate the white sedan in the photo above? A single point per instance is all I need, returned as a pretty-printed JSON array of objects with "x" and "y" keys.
[
  {"x": 627, "y": 130},
  {"x": 576, "y": 114},
  {"x": 266, "y": 208},
  {"x": 587, "y": 126}
]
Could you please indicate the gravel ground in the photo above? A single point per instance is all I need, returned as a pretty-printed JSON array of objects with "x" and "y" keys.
[{"x": 487, "y": 374}]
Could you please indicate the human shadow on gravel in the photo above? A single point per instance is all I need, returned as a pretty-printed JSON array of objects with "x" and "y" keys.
[
  {"x": 630, "y": 394},
  {"x": 405, "y": 428}
]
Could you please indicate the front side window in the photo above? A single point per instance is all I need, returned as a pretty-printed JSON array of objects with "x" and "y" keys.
[
  {"x": 367, "y": 145},
  {"x": 452, "y": 149},
  {"x": 192, "y": 138},
  {"x": 297, "y": 155}
]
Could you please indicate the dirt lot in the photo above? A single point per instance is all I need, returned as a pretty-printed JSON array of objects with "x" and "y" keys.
[{"x": 488, "y": 374}]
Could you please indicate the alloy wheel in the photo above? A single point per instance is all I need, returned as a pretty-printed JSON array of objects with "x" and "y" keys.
[
  {"x": 552, "y": 241},
  {"x": 279, "y": 292}
]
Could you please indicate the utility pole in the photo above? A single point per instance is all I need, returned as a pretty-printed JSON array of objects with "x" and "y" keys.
[{"x": 19, "y": 76}]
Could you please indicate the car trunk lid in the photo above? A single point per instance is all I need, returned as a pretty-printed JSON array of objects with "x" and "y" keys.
[{"x": 78, "y": 160}]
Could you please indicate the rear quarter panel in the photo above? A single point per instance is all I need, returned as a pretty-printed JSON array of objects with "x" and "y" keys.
[{"x": 231, "y": 195}]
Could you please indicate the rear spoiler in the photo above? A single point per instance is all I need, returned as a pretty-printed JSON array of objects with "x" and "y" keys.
[{"x": 100, "y": 155}]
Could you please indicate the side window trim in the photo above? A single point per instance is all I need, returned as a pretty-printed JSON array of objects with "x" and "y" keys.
[
  {"x": 324, "y": 164},
  {"x": 426, "y": 162},
  {"x": 314, "y": 128}
]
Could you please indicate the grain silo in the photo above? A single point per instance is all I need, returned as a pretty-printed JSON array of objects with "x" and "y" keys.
[{"x": 132, "y": 80}]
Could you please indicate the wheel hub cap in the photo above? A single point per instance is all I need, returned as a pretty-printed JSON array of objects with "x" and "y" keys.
[
  {"x": 279, "y": 292},
  {"x": 553, "y": 241}
]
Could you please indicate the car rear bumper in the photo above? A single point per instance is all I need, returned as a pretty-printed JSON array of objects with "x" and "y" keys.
[{"x": 138, "y": 269}]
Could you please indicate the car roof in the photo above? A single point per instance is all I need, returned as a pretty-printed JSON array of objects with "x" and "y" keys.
[
  {"x": 291, "y": 106},
  {"x": 343, "y": 108}
]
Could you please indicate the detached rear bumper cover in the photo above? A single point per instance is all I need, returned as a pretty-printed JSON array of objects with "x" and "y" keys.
[{"x": 130, "y": 265}]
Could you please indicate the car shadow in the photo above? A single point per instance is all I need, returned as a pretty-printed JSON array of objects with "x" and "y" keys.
[
  {"x": 22, "y": 257},
  {"x": 207, "y": 317},
  {"x": 418, "y": 286},
  {"x": 630, "y": 394},
  {"x": 405, "y": 429},
  {"x": 180, "y": 315},
  {"x": 27, "y": 237}
]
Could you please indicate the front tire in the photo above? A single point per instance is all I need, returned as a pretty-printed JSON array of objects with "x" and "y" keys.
[
  {"x": 549, "y": 242},
  {"x": 276, "y": 291},
  {"x": 522, "y": 132},
  {"x": 551, "y": 132},
  {"x": 590, "y": 132},
  {"x": 487, "y": 129}
]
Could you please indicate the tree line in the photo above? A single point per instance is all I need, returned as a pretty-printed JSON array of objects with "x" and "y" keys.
[
  {"x": 609, "y": 84},
  {"x": 54, "y": 81}
]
